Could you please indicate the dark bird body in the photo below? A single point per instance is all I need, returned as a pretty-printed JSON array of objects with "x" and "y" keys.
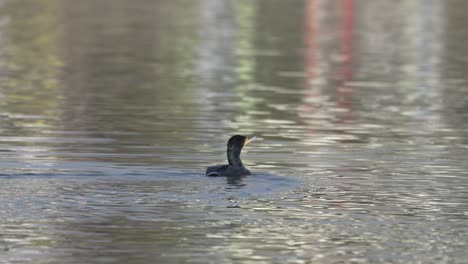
[{"x": 235, "y": 166}]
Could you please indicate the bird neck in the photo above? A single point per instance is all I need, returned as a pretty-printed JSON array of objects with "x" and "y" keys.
[{"x": 233, "y": 156}]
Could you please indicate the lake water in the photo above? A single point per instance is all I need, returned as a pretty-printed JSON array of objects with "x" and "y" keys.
[{"x": 110, "y": 111}]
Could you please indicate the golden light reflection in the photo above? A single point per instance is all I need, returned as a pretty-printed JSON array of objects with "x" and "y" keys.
[
  {"x": 245, "y": 66},
  {"x": 31, "y": 57},
  {"x": 245, "y": 19},
  {"x": 245, "y": 16}
]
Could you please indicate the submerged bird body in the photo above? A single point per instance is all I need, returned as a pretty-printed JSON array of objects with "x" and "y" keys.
[
  {"x": 226, "y": 170},
  {"x": 235, "y": 166}
]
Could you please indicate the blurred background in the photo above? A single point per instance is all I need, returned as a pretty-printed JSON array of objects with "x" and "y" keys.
[{"x": 110, "y": 111}]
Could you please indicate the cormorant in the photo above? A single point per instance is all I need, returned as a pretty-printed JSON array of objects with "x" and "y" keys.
[{"x": 235, "y": 166}]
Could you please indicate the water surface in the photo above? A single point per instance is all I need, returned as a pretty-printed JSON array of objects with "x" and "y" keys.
[{"x": 110, "y": 112}]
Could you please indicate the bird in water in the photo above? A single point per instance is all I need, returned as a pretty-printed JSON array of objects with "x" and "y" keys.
[{"x": 235, "y": 166}]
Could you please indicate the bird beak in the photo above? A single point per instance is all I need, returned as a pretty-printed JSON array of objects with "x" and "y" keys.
[{"x": 248, "y": 140}]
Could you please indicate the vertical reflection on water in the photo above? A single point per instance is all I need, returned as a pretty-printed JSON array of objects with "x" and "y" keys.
[
  {"x": 115, "y": 71},
  {"x": 30, "y": 60},
  {"x": 216, "y": 59},
  {"x": 409, "y": 66},
  {"x": 329, "y": 37},
  {"x": 455, "y": 100},
  {"x": 346, "y": 71},
  {"x": 422, "y": 56},
  {"x": 226, "y": 63},
  {"x": 246, "y": 62}
]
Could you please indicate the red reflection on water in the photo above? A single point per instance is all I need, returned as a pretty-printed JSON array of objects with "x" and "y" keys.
[
  {"x": 346, "y": 72},
  {"x": 311, "y": 47}
]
